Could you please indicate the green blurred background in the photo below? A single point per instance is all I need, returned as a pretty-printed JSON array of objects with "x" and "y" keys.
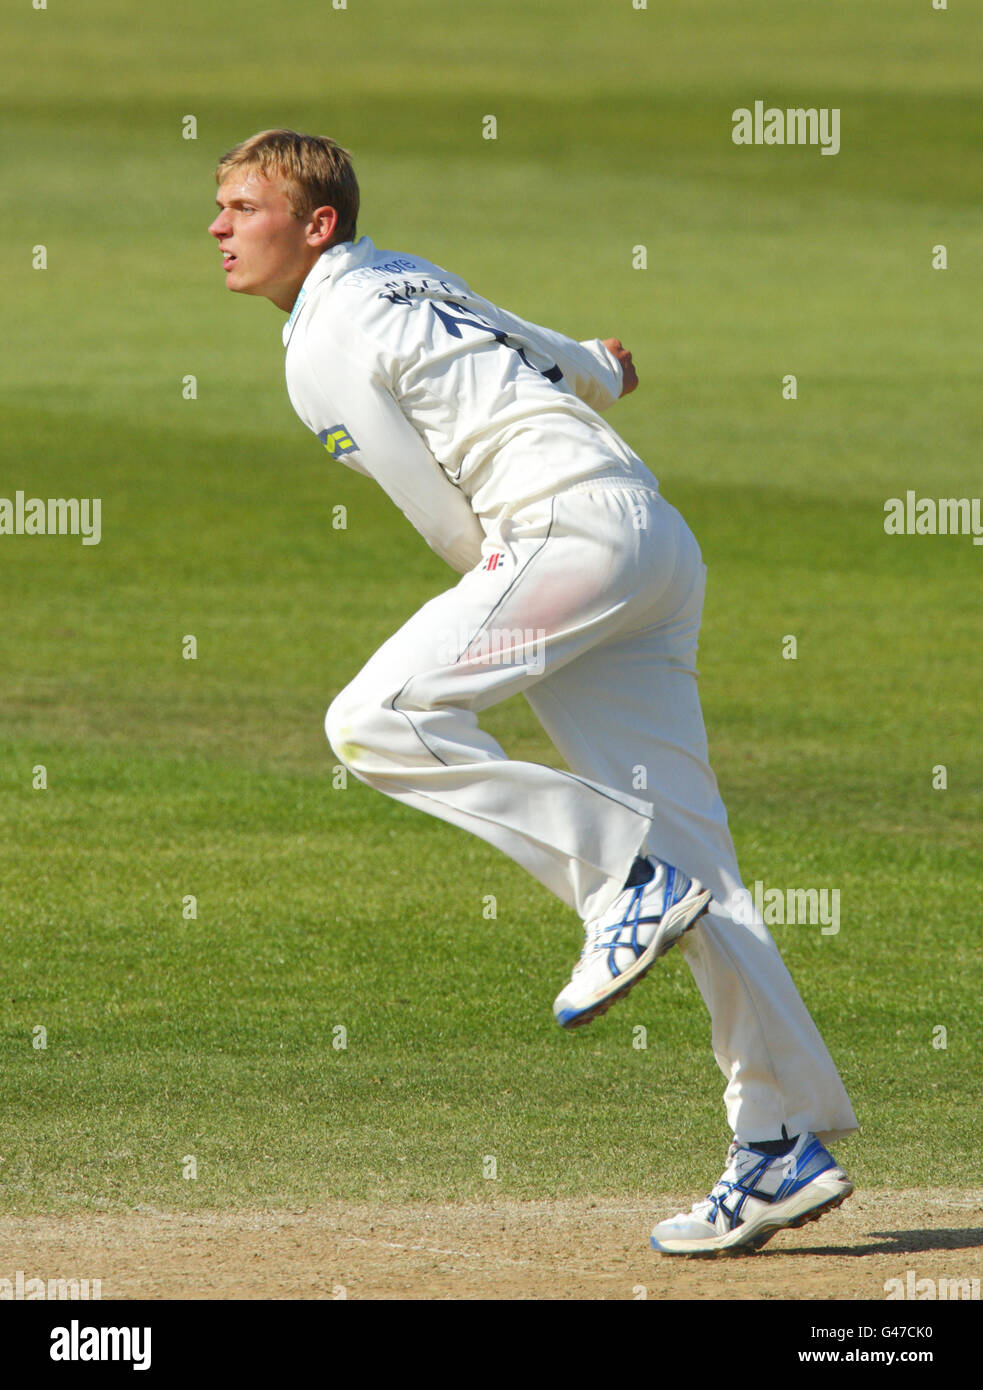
[{"x": 319, "y": 907}]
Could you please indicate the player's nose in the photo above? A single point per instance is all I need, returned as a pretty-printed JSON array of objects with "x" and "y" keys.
[{"x": 219, "y": 227}]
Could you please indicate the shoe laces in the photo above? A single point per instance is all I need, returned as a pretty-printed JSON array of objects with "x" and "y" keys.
[
  {"x": 604, "y": 936},
  {"x": 594, "y": 941},
  {"x": 707, "y": 1208}
]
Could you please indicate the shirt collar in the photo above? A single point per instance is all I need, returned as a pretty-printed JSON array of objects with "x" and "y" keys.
[{"x": 327, "y": 264}]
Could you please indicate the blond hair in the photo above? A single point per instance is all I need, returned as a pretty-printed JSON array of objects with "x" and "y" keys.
[{"x": 315, "y": 171}]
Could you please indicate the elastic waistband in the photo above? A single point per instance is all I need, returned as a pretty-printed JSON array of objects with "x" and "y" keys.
[{"x": 613, "y": 480}]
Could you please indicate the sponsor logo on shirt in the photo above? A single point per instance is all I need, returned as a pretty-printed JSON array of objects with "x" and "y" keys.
[
  {"x": 354, "y": 278},
  {"x": 337, "y": 441},
  {"x": 493, "y": 561}
]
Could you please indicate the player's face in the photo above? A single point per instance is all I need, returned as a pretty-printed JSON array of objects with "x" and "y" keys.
[{"x": 266, "y": 250}]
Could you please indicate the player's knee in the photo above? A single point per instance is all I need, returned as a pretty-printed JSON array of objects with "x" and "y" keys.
[
  {"x": 339, "y": 726},
  {"x": 354, "y": 728}
]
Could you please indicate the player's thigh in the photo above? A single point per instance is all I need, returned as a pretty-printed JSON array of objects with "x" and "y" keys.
[
  {"x": 627, "y": 710},
  {"x": 552, "y": 584},
  {"x": 635, "y": 725},
  {"x": 461, "y": 650},
  {"x": 625, "y": 716}
]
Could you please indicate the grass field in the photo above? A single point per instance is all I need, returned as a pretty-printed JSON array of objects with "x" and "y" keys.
[{"x": 320, "y": 907}]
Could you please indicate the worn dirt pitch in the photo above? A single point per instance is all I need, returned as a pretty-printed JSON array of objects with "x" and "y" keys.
[{"x": 501, "y": 1250}]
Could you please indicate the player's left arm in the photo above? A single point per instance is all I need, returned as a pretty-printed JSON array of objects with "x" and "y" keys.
[
  {"x": 629, "y": 376},
  {"x": 599, "y": 371}
]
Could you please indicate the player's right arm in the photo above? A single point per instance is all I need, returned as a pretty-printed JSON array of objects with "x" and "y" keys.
[{"x": 340, "y": 392}]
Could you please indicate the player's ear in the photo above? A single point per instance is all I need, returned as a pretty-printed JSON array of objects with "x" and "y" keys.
[{"x": 321, "y": 226}]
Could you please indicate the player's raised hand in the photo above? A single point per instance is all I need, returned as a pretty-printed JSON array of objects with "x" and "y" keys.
[{"x": 629, "y": 375}]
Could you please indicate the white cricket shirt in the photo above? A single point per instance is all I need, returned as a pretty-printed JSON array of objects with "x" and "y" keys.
[{"x": 461, "y": 411}]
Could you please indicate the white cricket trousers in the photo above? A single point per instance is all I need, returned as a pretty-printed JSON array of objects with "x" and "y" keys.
[{"x": 589, "y": 602}]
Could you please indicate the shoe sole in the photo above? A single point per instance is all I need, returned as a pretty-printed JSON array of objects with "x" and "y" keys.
[
  {"x": 688, "y": 910},
  {"x": 837, "y": 1191}
]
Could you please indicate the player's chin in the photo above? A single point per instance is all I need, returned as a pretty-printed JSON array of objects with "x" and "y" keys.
[{"x": 239, "y": 283}]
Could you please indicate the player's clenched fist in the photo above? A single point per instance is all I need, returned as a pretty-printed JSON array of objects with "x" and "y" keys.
[{"x": 629, "y": 375}]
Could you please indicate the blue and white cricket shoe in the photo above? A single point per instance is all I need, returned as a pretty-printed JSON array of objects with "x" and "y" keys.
[
  {"x": 622, "y": 945},
  {"x": 757, "y": 1196}
]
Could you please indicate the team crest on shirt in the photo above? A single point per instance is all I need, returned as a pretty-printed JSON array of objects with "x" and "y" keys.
[{"x": 337, "y": 440}]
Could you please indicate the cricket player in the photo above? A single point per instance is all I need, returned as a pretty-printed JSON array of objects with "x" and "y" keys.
[{"x": 579, "y": 586}]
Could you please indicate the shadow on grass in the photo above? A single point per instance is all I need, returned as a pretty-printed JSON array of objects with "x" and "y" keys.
[{"x": 899, "y": 1242}]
